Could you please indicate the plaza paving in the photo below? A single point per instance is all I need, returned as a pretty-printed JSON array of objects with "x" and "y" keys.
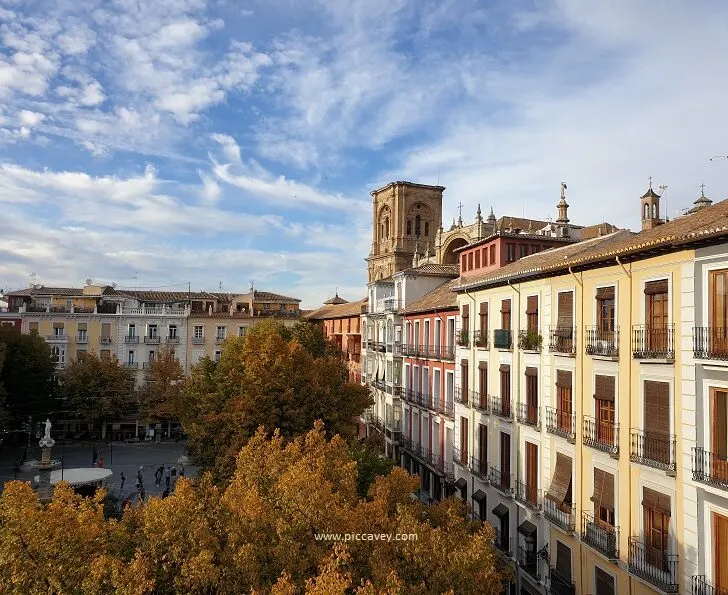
[{"x": 118, "y": 456}]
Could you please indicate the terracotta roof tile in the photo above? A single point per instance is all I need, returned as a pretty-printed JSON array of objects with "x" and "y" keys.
[
  {"x": 442, "y": 297},
  {"x": 336, "y": 300},
  {"x": 44, "y": 291},
  {"x": 434, "y": 269},
  {"x": 337, "y": 310},
  {"x": 600, "y": 229},
  {"x": 267, "y": 296}
]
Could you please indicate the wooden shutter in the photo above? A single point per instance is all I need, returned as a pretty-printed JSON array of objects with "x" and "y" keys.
[
  {"x": 82, "y": 326},
  {"x": 483, "y": 444},
  {"x": 561, "y": 479},
  {"x": 604, "y": 387},
  {"x": 532, "y": 372},
  {"x": 484, "y": 318},
  {"x": 563, "y": 378},
  {"x": 563, "y": 560},
  {"x": 656, "y": 501},
  {"x": 464, "y": 438},
  {"x": 603, "y": 489},
  {"x": 504, "y": 368},
  {"x": 605, "y": 293},
  {"x": 57, "y": 325},
  {"x": 105, "y": 329},
  {"x": 720, "y": 550},
  {"x": 566, "y": 310},
  {"x": 657, "y": 407},
  {"x": 464, "y": 379},
  {"x": 531, "y": 468},
  {"x": 505, "y": 453},
  {"x": 654, "y": 287},
  {"x": 532, "y": 304},
  {"x": 483, "y": 378},
  {"x": 466, "y": 316},
  {"x": 604, "y": 582},
  {"x": 719, "y": 423},
  {"x": 506, "y": 306}
]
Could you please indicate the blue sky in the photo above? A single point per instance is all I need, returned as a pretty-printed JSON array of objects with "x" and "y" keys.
[{"x": 160, "y": 142}]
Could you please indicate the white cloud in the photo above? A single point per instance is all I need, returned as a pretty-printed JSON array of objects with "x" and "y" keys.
[
  {"x": 92, "y": 95},
  {"x": 30, "y": 119}
]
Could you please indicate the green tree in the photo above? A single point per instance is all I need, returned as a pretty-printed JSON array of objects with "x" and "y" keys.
[
  {"x": 98, "y": 388},
  {"x": 371, "y": 463},
  {"x": 265, "y": 380},
  {"x": 311, "y": 337},
  {"x": 27, "y": 375},
  {"x": 159, "y": 397}
]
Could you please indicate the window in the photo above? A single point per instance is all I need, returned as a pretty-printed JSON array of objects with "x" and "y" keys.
[
  {"x": 198, "y": 332},
  {"x": 132, "y": 330},
  {"x": 657, "y": 440},
  {"x": 483, "y": 322},
  {"x": 506, "y": 315},
  {"x": 720, "y": 551},
  {"x": 563, "y": 400},
  {"x": 418, "y": 221},
  {"x": 82, "y": 336},
  {"x": 477, "y": 259},
  {"x": 483, "y": 446},
  {"x": 172, "y": 331},
  {"x": 505, "y": 458},
  {"x": 510, "y": 252},
  {"x": 152, "y": 330},
  {"x": 605, "y": 310},
  {"x": 647, "y": 212},
  {"x": 535, "y": 248},
  {"x": 532, "y": 313},
  {"x": 241, "y": 331},
  {"x": 465, "y": 315},
  {"x": 603, "y": 498},
  {"x": 604, "y": 408},
  {"x": 218, "y": 355},
  {"x": 105, "y": 353},
  {"x": 152, "y": 355},
  {"x": 505, "y": 387},
  {"x": 560, "y": 489},
  {"x": 654, "y": 211},
  {"x": 718, "y": 308},
  {"x": 59, "y": 355},
  {"x": 719, "y": 432},
  {"x": 603, "y": 582},
  {"x": 409, "y": 227},
  {"x": 483, "y": 383},
  {"x": 131, "y": 356},
  {"x": 532, "y": 395},
  {"x": 563, "y": 562},
  {"x": 427, "y": 228},
  {"x": 464, "y": 380},
  {"x": 492, "y": 254},
  {"x": 523, "y": 250},
  {"x": 470, "y": 261},
  {"x": 33, "y": 328},
  {"x": 656, "y": 508},
  {"x": 464, "y": 440},
  {"x": 464, "y": 262},
  {"x": 58, "y": 330},
  {"x": 531, "y": 473},
  {"x": 220, "y": 333},
  {"x": 106, "y": 331}
]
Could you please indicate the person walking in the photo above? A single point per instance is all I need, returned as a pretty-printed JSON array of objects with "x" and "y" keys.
[
  {"x": 167, "y": 476},
  {"x": 174, "y": 475},
  {"x": 123, "y": 479},
  {"x": 140, "y": 477},
  {"x": 95, "y": 456},
  {"x": 182, "y": 471}
]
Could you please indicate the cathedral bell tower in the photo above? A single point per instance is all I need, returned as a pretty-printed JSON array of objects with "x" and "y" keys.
[
  {"x": 650, "y": 208},
  {"x": 403, "y": 215}
]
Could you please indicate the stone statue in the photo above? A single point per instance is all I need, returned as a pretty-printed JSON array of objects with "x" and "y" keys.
[
  {"x": 47, "y": 428},
  {"x": 47, "y": 441}
]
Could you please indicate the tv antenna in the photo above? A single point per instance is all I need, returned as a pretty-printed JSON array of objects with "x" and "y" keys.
[{"x": 719, "y": 158}]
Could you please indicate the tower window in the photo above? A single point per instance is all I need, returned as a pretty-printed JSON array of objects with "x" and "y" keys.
[
  {"x": 409, "y": 227},
  {"x": 417, "y": 225},
  {"x": 427, "y": 228},
  {"x": 647, "y": 212},
  {"x": 654, "y": 211}
]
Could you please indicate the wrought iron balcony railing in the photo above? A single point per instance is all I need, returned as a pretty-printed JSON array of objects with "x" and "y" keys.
[
  {"x": 135, "y": 339},
  {"x": 653, "y": 449},
  {"x": 560, "y": 584},
  {"x": 701, "y": 586},
  {"x": 501, "y": 407},
  {"x": 501, "y": 481},
  {"x": 710, "y": 342},
  {"x": 480, "y": 338},
  {"x": 710, "y": 468},
  {"x": 528, "y": 414},
  {"x": 463, "y": 338},
  {"x": 460, "y": 457},
  {"x": 528, "y": 561},
  {"x": 480, "y": 401},
  {"x": 562, "y": 423},
  {"x": 529, "y": 495},
  {"x": 461, "y": 396},
  {"x": 601, "y": 435},
  {"x": 447, "y": 352},
  {"x": 601, "y": 342},
  {"x": 562, "y": 340},
  {"x": 654, "y": 566},
  {"x": 562, "y": 515},
  {"x": 479, "y": 468},
  {"x": 503, "y": 339},
  {"x": 600, "y": 536},
  {"x": 502, "y": 542},
  {"x": 653, "y": 342}
]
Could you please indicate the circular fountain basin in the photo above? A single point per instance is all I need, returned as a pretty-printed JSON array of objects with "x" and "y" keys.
[{"x": 77, "y": 477}]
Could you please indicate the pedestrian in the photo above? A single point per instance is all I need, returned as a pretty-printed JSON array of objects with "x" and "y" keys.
[
  {"x": 96, "y": 456},
  {"x": 167, "y": 475},
  {"x": 100, "y": 462},
  {"x": 182, "y": 471},
  {"x": 123, "y": 479},
  {"x": 140, "y": 477},
  {"x": 165, "y": 493},
  {"x": 160, "y": 470},
  {"x": 174, "y": 473}
]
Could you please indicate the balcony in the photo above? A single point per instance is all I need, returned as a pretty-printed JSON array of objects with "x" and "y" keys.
[
  {"x": 501, "y": 481},
  {"x": 528, "y": 561},
  {"x": 463, "y": 338},
  {"x": 461, "y": 396},
  {"x": 198, "y": 340},
  {"x": 560, "y": 584},
  {"x": 502, "y": 543},
  {"x": 60, "y": 365},
  {"x": 131, "y": 365},
  {"x": 530, "y": 340},
  {"x": 105, "y": 340},
  {"x": 447, "y": 352},
  {"x": 172, "y": 339},
  {"x": 503, "y": 339},
  {"x": 57, "y": 338},
  {"x": 702, "y": 587},
  {"x": 480, "y": 338},
  {"x": 151, "y": 340},
  {"x": 529, "y": 495},
  {"x": 501, "y": 407},
  {"x": 460, "y": 458},
  {"x": 560, "y": 514},
  {"x": 386, "y": 305},
  {"x": 479, "y": 468},
  {"x": 528, "y": 414},
  {"x": 709, "y": 468},
  {"x": 653, "y": 449},
  {"x": 600, "y": 342},
  {"x": 219, "y": 340},
  {"x": 561, "y": 423},
  {"x": 653, "y": 566},
  {"x": 601, "y": 435},
  {"x": 653, "y": 342},
  {"x": 710, "y": 343},
  {"x": 480, "y": 401},
  {"x": 447, "y": 407},
  {"x": 82, "y": 339},
  {"x": 131, "y": 339},
  {"x": 600, "y": 536},
  {"x": 147, "y": 365},
  {"x": 562, "y": 340}
]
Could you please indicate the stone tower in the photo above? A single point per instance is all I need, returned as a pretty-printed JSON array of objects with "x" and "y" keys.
[
  {"x": 650, "y": 208},
  {"x": 405, "y": 218}
]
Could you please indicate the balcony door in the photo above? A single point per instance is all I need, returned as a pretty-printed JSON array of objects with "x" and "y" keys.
[
  {"x": 505, "y": 458},
  {"x": 719, "y": 312},
  {"x": 720, "y": 551},
  {"x": 656, "y": 315},
  {"x": 656, "y": 507},
  {"x": 531, "y": 472},
  {"x": 719, "y": 433},
  {"x": 657, "y": 442}
]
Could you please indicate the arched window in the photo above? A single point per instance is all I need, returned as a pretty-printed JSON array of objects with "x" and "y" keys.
[
  {"x": 654, "y": 211},
  {"x": 647, "y": 212},
  {"x": 386, "y": 228},
  {"x": 418, "y": 221}
]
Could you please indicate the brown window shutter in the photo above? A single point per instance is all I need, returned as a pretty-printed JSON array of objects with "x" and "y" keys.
[
  {"x": 504, "y": 368},
  {"x": 466, "y": 310},
  {"x": 484, "y": 309},
  {"x": 561, "y": 479},
  {"x": 603, "y": 489},
  {"x": 464, "y": 378},
  {"x": 532, "y": 304},
  {"x": 604, "y": 582},
  {"x": 482, "y": 365},
  {"x": 598, "y": 494},
  {"x": 656, "y": 501},
  {"x": 106, "y": 329},
  {"x": 719, "y": 423},
  {"x": 57, "y": 325},
  {"x": 82, "y": 326},
  {"x": 604, "y": 387},
  {"x": 563, "y": 378},
  {"x": 506, "y": 306},
  {"x": 657, "y": 407},
  {"x": 653, "y": 287},
  {"x": 532, "y": 372},
  {"x": 484, "y": 317},
  {"x": 563, "y": 560},
  {"x": 566, "y": 310},
  {"x": 605, "y": 293}
]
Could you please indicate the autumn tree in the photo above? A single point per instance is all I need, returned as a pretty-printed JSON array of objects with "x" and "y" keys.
[
  {"x": 98, "y": 388},
  {"x": 159, "y": 397},
  {"x": 260, "y": 534},
  {"x": 312, "y": 338},
  {"x": 263, "y": 379},
  {"x": 370, "y": 463},
  {"x": 27, "y": 374}
]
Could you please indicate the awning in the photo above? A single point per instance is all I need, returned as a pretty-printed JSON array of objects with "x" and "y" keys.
[
  {"x": 504, "y": 368},
  {"x": 654, "y": 287},
  {"x": 603, "y": 489},
  {"x": 604, "y": 387},
  {"x": 605, "y": 293},
  {"x": 500, "y": 511},
  {"x": 532, "y": 304},
  {"x": 532, "y": 372},
  {"x": 527, "y": 528},
  {"x": 656, "y": 501},
  {"x": 561, "y": 479},
  {"x": 461, "y": 483},
  {"x": 563, "y": 378},
  {"x": 479, "y": 496}
]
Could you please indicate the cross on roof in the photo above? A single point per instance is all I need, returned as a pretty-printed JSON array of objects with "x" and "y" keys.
[
  {"x": 650, "y": 181},
  {"x": 460, "y": 209},
  {"x": 702, "y": 189}
]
